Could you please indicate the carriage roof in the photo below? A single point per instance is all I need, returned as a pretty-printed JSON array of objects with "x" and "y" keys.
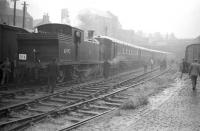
[{"x": 132, "y": 45}]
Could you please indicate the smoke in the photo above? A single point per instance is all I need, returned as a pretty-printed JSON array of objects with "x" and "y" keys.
[
  {"x": 86, "y": 15},
  {"x": 102, "y": 22},
  {"x": 95, "y": 12},
  {"x": 116, "y": 60}
]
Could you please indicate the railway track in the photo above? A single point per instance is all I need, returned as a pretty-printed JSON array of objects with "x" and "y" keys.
[
  {"x": 99, "y": 106},
  {"x": 41, "y": 108},
  {"x": 12, "y": 98},
  {"x": 47, "y": 104},
  {"x": 18, "y": 124}
]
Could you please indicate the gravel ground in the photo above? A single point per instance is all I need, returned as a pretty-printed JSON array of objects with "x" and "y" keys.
[{"x": 121, "y": 118}]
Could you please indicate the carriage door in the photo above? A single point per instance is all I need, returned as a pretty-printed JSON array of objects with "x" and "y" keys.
[
  {"x": 139, "y": 54},
  {"x": 195, "y": 53}
]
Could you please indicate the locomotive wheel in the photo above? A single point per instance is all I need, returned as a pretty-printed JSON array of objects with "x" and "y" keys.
[{"x": 61, "y": 76}]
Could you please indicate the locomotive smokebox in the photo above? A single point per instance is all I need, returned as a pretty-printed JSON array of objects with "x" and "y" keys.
[{"x": 90, "y": 34}]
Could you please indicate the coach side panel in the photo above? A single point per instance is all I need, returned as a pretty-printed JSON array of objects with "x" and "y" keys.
[{"x": 192, "y": 52}]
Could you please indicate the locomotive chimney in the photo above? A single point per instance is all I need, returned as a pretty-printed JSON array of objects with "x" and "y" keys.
[{"x": 90, "y": 34}]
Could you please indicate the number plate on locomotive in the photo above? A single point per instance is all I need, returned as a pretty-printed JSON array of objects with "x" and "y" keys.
[{"x": 22, "y": 57}]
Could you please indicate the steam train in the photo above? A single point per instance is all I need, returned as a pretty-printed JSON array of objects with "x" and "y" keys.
[{"x": 77, "y": 57}]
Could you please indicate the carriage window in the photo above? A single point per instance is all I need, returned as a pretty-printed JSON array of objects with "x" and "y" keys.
[{"x": 138, "y": 52}]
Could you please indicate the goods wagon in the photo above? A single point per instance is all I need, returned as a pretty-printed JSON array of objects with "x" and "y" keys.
[{"x": 8, "y": 41}]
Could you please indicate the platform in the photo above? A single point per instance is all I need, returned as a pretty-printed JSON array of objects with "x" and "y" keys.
[{"x": 180, "y": 111}]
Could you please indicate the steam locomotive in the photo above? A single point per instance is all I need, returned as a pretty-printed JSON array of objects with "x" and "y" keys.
[{"x": 77, "y": 57}]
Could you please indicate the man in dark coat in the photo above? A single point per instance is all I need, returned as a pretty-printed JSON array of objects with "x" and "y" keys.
[
  {"x": 194, "y": 72},
  {"x": 52, "y": 75},
  {"x": 106, "y": 69}
]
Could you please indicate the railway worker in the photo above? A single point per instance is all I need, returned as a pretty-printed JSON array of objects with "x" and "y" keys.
[
  {"x": 52, "y": 75},
  {"x": 164, "y": 64},
  {"x": 106, "y": 69},
  {"x": 36, "y": 70},
  {"x": 145, "y": 67},
  {"x": 6, "y": 69},
  {"x": 161, "y": 65},
  {"x": 194, "y": 71}
]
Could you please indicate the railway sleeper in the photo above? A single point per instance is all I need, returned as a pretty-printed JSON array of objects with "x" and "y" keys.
[
  {"x": 60, "y": 100},
  {"x": 73, "y": 119},
  {"x": 22, "y": 98},
  {"x": 11, "y": 100},
  {"x": 83, "y": 92},
  {"x": 113, "y": 100},
  {"x": 64, "y": 98},
  {"x": 30, "y": 90},
  {"x": 73, "y": 98},
  {"x": 77, "y": 95},
  {"x": 7, "y": 95},
  {"x": 20, "y": 92},
  {"x": 88, "y": 112},
  {"x": 119, "y": 97},
  {"x": 99, "y": 87},
  {"x": 47, "y": 104},
  {"x": 90, "y": 89},
  {"x": 34, "y": 110},
  {"x": 70, "y": 98},
  {"x": 100, "y": 107},
  {"x": 76, "y": 114},
  {"x": 112, "y": 104}
]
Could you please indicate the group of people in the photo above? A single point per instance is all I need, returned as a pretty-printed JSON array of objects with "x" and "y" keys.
[
  {"x": 193, "y": 70},
  {"x": 163, "y": 64},
  {"x": 7, "y": 73}
]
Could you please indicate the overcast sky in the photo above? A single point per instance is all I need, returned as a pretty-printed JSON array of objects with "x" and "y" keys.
[{"x": 181, "y": 17}]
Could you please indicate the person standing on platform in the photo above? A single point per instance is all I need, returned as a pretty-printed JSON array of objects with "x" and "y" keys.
[
  {"x": 194, "y": 72},
  {"x": 52, "y": 75}
]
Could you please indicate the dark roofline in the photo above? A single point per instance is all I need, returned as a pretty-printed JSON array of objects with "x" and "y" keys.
[
  {"x": 58, "y": 24},
  {"x": 197, "y": 43},
  {"x": 15, "y": 28}
]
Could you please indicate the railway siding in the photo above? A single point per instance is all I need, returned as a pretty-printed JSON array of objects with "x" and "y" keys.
[{"x": 43, "y": 114}]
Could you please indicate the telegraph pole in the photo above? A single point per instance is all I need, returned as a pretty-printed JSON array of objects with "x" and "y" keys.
[
  {"x": 15, "y": 1},
  {"x": 24, "y": 14}
]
